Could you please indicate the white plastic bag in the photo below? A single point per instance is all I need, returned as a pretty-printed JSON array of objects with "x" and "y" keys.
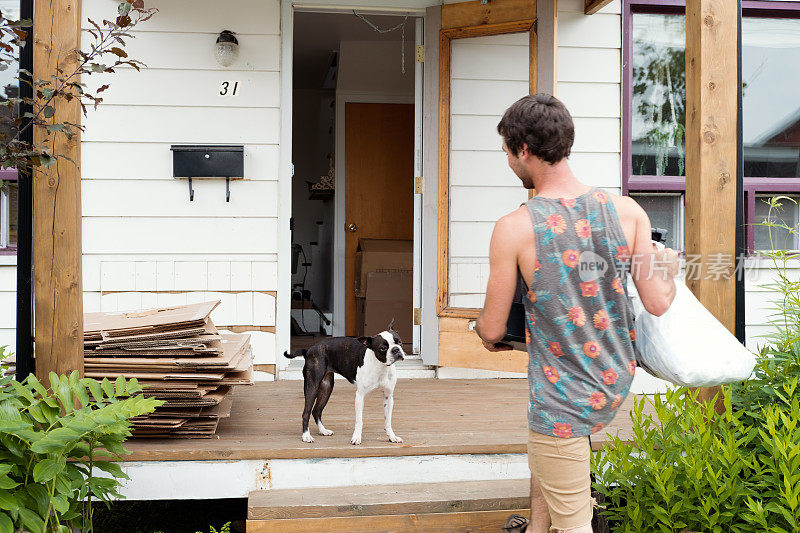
[{"x": 687, "y": 345}]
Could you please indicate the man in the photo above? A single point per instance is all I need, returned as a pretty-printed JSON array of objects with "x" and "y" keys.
[{"x": 573, "y": 246}]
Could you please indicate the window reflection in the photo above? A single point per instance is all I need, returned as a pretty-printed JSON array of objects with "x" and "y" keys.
[{"x": 770, "y": 77}]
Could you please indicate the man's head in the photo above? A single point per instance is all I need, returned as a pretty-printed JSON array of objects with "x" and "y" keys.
[{"x": 537, "y": 130}]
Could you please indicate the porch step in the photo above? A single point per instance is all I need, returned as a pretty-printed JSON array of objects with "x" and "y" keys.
[
  {"x": 419, "y": 507},
  {"x": 410, "y": 368}
]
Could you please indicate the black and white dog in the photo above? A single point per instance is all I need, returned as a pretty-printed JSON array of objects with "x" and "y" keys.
[{"x": 367, "y": 362}]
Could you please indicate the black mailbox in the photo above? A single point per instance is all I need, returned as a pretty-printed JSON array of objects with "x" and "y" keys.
[{"x": 208, "y": 161}]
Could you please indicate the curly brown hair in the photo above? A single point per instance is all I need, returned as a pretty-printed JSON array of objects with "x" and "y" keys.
[{"x": 542, "y": 122}]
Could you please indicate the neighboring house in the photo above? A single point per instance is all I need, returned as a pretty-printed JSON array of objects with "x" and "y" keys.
[{"x": 619, "y": 71}]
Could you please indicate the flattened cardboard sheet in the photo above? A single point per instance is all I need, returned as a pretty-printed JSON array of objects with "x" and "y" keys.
[{"x": 148, "y": 321}]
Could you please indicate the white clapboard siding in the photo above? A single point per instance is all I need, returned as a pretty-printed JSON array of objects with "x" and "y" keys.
[
  {"x": 206, "y": 16},
  {"x": 153, "y": 161},
  {"x": 597, "y": 135},
  {"x": 485, "y": 97},
  {"x": 482, "y": 186},
  {"x": 479, "y": 167},
  {"x": 488, "y": 74},
  {"x": 8, "y": 303},
  {"x": 179, "y": 235},
  {"x": 263, "y": 276},
  {"x": 190, "y": 51},
  {"x": 212, "y": 125},
  {"x": 597, "y": 169},
  {"x": 591, "y": 100},
  {"x": 484, "y": 203},
  {"x": 577, "y": 6},
  {"x": 193, "y": 88},
  {"x": 235, "y": 309},
  {"x": 470, "y": 239},
  {"x": 219, "y": 275},
  {"x": 596, "y": 65},
  {"x": 170, "y": 198},
  {"x": 595, "y": 31}
]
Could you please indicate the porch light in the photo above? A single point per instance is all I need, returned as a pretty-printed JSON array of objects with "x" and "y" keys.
[{"x": 226, "y": 49}]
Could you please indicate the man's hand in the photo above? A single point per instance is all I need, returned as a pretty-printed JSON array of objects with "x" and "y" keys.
[
  {"x": 668, "y": 260},
  {"x": 496, "y": 346}
]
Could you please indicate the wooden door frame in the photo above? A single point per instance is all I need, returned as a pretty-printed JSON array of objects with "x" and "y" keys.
[
  {"x": 340, "y": 201},
  {"x": 446, "y": 35}
]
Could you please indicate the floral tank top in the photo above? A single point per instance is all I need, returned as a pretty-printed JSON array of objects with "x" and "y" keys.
[{"x": 579, "y": 324}]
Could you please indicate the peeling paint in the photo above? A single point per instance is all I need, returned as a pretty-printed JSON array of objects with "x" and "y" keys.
[{"x": 264, "y": 480}]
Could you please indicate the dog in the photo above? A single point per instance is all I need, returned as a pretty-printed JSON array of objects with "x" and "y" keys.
[{"x": 366, "y": 362}]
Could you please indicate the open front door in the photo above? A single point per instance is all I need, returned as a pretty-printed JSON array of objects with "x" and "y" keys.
[{"x": 487, "y": 60}]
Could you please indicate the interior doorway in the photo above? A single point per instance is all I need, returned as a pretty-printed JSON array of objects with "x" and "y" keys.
[{"x": 353, "y": 141}]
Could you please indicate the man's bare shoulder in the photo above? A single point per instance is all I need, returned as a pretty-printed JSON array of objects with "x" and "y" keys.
[
  {"x": 627, "y": 208},
  {"x": 514, "y": 228}
]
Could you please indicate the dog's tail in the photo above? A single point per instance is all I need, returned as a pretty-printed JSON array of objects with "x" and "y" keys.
[{"x": 295, "y": 354}]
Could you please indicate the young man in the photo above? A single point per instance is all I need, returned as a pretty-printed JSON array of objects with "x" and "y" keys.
[{"x": 573, "y": 246}]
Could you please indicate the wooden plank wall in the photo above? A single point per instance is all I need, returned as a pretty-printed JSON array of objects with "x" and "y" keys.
[
  {"x": 145, "y": 243},
  {"x": 57, "y": 281}
]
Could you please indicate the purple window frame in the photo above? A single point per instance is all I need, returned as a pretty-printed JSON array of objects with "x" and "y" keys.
[
  {"x": 631, "y": 183},
  {"x": 8, "y": 174}
]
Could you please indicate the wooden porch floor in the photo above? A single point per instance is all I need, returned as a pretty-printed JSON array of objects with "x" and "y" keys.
[{"x": 432, "y": 416}]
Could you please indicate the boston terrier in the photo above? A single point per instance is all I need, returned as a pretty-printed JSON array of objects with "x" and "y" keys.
[{"x": 367, "y": 362}]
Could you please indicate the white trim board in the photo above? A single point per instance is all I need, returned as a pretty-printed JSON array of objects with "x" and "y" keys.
[{"x": 198, "y": 480}]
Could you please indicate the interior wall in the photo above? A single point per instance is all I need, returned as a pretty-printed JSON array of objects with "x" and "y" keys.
[
  {"x": 313, "y": 119},
  {"x": 369, "y": 67}
]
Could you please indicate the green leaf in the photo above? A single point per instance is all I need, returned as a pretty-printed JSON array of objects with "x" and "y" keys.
[
  {"x": 49, "y": 111},
  {"x": 31, "y": 520},
  {"x": 6, "y": 525},
  {"x": 60, "y": 503},
  {"x": 119, "y": 386},
  {"x": 47, "y": 469},
  {"x": 6, "y": 483},
  {"x": 108, "y": 389},
  {"x": 8, "y": 502},
  {"x": 112, "y": 468},
  {"x": 40, "y": 496},
  {"x": 94, "y": 388}
]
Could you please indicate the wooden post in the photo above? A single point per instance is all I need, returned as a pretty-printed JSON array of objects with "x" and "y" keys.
[
  {"x": 57, "y": 202},
  {"x": 711, "y": 115}
]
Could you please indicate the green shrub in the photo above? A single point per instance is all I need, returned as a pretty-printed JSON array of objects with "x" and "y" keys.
[
  {"x": 688, "y": 467},
  {"x": 49, "y": 444},
  {"x": 226, "y": 528}
]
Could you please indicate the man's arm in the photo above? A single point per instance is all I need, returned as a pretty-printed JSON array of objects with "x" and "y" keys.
[
  {"x": 652, "y": 271},
  {"x": 503, "y": 276}
]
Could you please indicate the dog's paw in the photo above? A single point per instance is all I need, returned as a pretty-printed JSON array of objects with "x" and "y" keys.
[
  {"x": 356, "y": 440},
  {"x": 325, "y": 431},
  {"x": 395, "y": 438},
  {"x": 307, "y": 437}
]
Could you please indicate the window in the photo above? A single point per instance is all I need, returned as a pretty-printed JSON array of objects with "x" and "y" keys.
[
  {"x": 8, "y": 214},
  {"x": 9, "y": 88},
  {"x": 655, "y": 127}
]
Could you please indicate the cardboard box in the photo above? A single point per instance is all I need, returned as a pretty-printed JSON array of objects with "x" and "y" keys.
[
  {"x": 388, "y": 296},
  {"x": 380, "y": 254}
]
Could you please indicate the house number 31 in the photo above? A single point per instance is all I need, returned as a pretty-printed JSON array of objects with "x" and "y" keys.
[{"x": 229, "y": 88}]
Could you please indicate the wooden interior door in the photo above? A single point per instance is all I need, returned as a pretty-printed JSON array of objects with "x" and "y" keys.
[{"x": 379, "y": 182}]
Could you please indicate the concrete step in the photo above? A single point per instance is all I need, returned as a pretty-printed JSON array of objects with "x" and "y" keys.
[
  {"x": 409, "y": 368},
  {"x": 418, "y": 507}
]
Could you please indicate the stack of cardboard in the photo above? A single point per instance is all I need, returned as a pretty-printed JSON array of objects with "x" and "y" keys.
[
  {"x": 8, "y": 366},
  {"x": 383, "y": 287},
  {"x": 178, "y": 356}
]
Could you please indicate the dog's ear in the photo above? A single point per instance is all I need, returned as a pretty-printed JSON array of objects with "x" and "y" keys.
[
  {"x": 366, "y": 341},
  {"x": 391, "y": 325}
]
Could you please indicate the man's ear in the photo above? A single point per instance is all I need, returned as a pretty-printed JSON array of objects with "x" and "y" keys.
[{"x": 366, "y": 341}]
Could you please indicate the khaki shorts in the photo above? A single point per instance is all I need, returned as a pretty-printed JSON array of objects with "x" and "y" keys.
[{"x": 561, "y": 466}]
